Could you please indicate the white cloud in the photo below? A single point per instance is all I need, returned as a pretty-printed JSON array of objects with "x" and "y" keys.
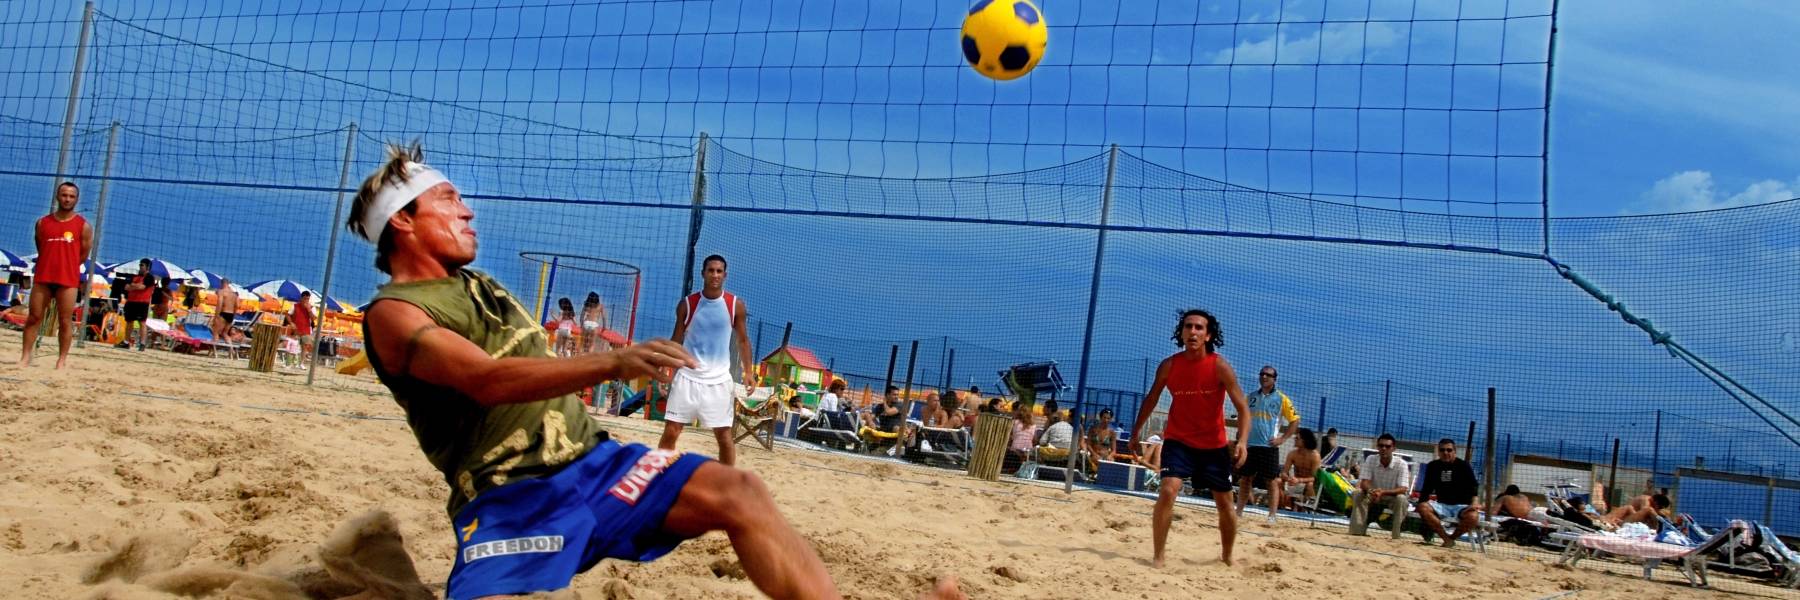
[
  {"x": 1332, "y": 44},
  {"x": 1718, "y": 97},
  {"x": 1695, "y": 190}
]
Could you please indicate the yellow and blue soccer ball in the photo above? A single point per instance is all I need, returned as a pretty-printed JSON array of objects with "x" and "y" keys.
[{"x": 1003, "y": 39}]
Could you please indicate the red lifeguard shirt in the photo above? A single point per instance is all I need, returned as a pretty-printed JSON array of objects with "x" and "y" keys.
[
  {"x": 142, "y": 296},
  {"x": 1196, "y": 402},
  {"x": 59, "y": 251},
  {"x": 303, "y": 318}
]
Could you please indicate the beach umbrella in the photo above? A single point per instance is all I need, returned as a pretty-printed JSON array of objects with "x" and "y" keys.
[
  {"x": 160, "y": 268},
  {"x": 97, "y": 269},
  {"x": 287, "y": 289},
  {"x": 14, "y": 261},
  {"x": 336, "y": 305},
  {"x": 205, "y": 280}
]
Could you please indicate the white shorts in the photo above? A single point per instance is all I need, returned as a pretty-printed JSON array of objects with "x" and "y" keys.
[{"x": 692, "y": 399}]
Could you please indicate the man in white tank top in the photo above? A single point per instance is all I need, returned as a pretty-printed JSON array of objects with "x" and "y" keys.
[{"x": 706, "y": 323}]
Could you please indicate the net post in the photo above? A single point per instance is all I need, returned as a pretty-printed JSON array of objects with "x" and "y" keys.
[
  {"x": 1087, "y": 335},
  {"x": 1544, "y": 161},
  {"x": 1612, "y": 474},
  {"x": 1656, "y": 446},
  {"x": 1487, "y": 469},
  {"x": 1321, "y": 427},
  {"x": 906, "y": 413},
  {"x": 1769, "y": 502},
  {"x": 549, "y": 283},
  {"x": 697, "y": 218},
  {"x": 637, "y": 282},
  {"x": 112, "y": 145},
  {"x": 949, "y": 368},
  {"x": 68, "y": 131},
  {"x": 1386, "y": 394},
  {"x": 337, "y": 216}
]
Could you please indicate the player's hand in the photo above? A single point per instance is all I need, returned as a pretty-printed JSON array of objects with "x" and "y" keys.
[
  {"x": 655, "y": 358},
  {"x": 1240, "y": 452}
]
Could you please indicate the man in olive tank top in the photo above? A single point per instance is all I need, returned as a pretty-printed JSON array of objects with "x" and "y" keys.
[{"x": 538, "y": 493}]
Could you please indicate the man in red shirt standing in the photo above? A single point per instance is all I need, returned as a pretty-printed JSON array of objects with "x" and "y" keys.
[
  {"x": 1194, "y": 444},
  {"x": 63, "y": 241},
  {"x": 138, "y": 292},
  {"x": 302, "y": 322}
]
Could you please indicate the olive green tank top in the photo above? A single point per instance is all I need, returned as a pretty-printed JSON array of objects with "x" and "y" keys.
[{"x": 477, "y": 447}]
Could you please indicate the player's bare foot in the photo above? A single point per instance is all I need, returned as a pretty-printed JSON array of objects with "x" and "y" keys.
[
  {"x": 1449, "y": 543},
  {"x": 62, "y": 362},
  {"x": 1156, "y": 563},
  {"x": 944, "y": 589},
  {"x": 1225, "y": 558}
]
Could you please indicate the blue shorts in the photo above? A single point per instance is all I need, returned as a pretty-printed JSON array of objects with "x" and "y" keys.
[
  {"x": 1209, "y": 469},
  {"x": 1448, "y": 512},
  {"x": 535, "y": 535}
]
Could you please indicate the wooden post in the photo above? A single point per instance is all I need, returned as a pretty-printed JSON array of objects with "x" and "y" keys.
[
  {"x": 264, "y": 339},
  {"x": 992, "y": 432}
]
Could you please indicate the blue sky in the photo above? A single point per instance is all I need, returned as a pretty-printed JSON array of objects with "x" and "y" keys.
[{"x": 1658, "y": 107}]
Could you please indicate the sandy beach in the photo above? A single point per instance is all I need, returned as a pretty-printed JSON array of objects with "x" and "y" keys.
[{"x": 153, "y": 475}]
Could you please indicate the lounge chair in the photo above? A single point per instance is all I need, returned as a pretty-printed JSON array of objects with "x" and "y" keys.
[
  {"x": 832, "y": 428},
  {"x": 1692, "y": 559},
  {"x": 949, "y": 446}
]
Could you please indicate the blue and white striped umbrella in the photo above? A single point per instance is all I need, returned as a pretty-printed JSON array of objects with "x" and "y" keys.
[
  {"x": 14, "y": 261},
  {"x": 160, "y": 268},
  {"x": 287, "y": 289},
  {"x": 205, "y": 280},
  {"x": 96, "y": 269}
]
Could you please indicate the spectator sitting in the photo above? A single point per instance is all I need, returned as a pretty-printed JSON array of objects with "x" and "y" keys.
[
  {"x": 931, "y": 415},
  {"x": 1513, "y": 503},
  {"x": 1298, "y": 468},
  {"x": 1101, "y": 441},
  {"x": 993, "y": 405},
  {"x": 952, "y": 410},
  {"x": 1384, "y": 485},
  {"x": 794, "y": 404},
  {"x": 883, "y": 417},
  {"x": 829, "y": 402},
  {"x": 1024, "y": 431},
  {"x": 1449, "y": 487},
  {"x": 1058, "y": 438}
]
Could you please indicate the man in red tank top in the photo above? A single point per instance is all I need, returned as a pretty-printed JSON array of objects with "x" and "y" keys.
[
  {"x": 63, "y": 241},
  {"x": 1194, "y": 444}
]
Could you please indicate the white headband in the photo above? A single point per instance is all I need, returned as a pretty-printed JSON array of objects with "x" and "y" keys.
[{"x": 393, "y": 197}]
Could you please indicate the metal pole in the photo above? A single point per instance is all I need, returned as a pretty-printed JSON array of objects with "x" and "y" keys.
[
  {"x": 893, "y": 356},
  {"x": 1769, "y": 503},
  {"x": 906, "y": 413},
  {"x": 1612, "y": 475},
  {"x": 697, "y": 218},
  {"x": 337, "y": 217},
  {"x": 1087, "y": 336},
  {"x": 1469, "y": 451},
  {"x": 1487, "y": 469},
  {"x": 757, "y": 343},
  {"x": 1544, "y": 161},
  {"x": 112, "y": 145},
  {"x": 68, "y": 132},
  {"x": 1321, "y": 427},
  {"x": 549, "y": 285},
  {"x": 949, "y": 368},
  {"x": 1385, "y": 396},
  {"x": 1656, "y": 446}
]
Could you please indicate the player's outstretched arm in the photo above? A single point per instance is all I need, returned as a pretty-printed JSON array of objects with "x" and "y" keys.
[{"x": 408, "y": 341}]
